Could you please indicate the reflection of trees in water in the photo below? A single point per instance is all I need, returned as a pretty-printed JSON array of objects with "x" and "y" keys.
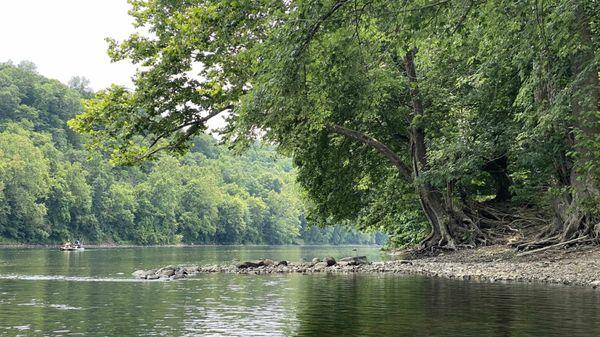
[
  {"x": 333, "y": 305},
  {"x": 358, "y": 305},
  {"x": 237, "y": 305}
]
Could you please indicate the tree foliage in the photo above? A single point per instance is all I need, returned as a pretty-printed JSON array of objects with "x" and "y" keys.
[{"x": 451, "y": 113}]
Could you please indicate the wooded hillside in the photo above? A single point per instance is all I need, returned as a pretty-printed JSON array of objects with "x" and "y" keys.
[{"x": 52, "y": 189}]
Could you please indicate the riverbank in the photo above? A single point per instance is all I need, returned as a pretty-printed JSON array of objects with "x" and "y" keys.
[
  {"x": 578, "y": 266},
  {"x": 500, "y": 263}
]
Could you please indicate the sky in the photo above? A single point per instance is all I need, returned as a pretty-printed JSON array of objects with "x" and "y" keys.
[{"x": 65, "y": 38}]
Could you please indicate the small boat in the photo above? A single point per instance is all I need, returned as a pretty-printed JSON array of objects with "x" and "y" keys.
[{"x": 71, "y": 248}]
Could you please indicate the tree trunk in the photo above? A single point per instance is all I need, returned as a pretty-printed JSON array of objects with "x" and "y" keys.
[
  {"x": 431, "y": 200},
  {"x": 436, "y": 212}
]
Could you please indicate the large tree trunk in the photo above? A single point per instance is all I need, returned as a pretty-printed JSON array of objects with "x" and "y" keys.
[
  {"x": 431, "y": 199},
  {"x": 451, "y": 223},
  {"x": 439, "y": 218}
]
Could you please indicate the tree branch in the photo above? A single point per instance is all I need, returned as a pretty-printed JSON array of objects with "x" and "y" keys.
[
  {"x": 463, "y": 17},
  {"x": 195, "y": 122},
  {"x": 374, "y": 143}
]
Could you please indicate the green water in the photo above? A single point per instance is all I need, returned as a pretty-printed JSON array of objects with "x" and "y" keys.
[{"x": 45, "y": 292}]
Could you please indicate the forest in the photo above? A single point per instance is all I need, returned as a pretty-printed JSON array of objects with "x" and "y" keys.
[
  {"x": 53, "y": 189},
  {"x": 449, "y": 123}
]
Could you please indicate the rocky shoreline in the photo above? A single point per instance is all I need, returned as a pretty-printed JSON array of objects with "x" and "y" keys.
[{"x": 497, "y": 264}]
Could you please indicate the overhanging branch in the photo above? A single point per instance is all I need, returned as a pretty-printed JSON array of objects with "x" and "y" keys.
[
  {"x": 196, "y": 122},
  {"x": 375, "y": 144}
]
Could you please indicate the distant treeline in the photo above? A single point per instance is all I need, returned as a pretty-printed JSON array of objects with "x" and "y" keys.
[{"x": 53, "y": 189}]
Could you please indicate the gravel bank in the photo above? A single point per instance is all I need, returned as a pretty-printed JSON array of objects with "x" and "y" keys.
[{"x": 579, "y": 266}]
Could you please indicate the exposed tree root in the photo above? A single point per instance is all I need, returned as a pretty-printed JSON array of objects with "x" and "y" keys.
[
  {"x": 525, "y": 229},
  {"x": 477, "y": 225},
  {"x": 568, "y": 228}
]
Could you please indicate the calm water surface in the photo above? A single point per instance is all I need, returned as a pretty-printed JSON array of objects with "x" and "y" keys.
[{"x": 45, "y": 292}]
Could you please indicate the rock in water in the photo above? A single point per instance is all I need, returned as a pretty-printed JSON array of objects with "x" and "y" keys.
[
  {"x": 166, "y": 271},
  {"x": 248, "y": 264},
  {"x": 355, "y": 260},
  {"x": 330, "y": 261},
  {"x": 282, "y": 263},
  {"x": 190, "y": 270},
  {"x": 268, "y": 262},
  {"x": 315, "y": 260}
]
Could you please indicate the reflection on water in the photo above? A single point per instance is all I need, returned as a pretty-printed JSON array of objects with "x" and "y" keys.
[
  {"x": 42, "y": 293},
  {"x": 69, "y": 278}
]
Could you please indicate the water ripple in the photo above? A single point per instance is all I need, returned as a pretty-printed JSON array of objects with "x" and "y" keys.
[{"x": 67, "y": 278}]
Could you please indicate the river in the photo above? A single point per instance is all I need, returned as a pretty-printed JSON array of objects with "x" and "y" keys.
[{"x": 45, "y": 292}]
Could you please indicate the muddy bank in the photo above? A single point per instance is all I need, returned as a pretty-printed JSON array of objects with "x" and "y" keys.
[{"x": 491, "y": 264}]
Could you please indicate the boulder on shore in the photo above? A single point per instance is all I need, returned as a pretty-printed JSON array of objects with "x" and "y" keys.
[{"x": 330, "y": 261}]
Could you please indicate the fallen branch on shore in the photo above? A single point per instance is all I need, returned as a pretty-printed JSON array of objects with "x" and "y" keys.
[{"x": 580, "y": 240}]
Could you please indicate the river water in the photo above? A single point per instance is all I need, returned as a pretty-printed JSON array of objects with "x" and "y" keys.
[{"x": 44, "y": 292}]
